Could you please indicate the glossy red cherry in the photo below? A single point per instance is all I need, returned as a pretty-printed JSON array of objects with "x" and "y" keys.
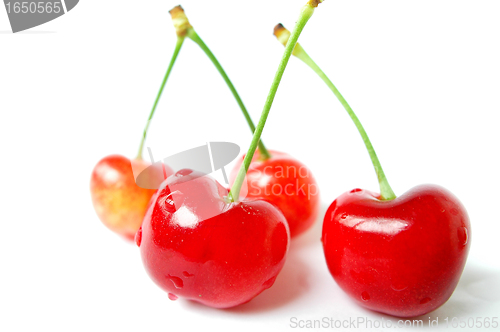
[
  {"x": 197, "y": 246},
  {"x": 402, "y": 257},
  {"x": 119, "y": 203},
  {"x": 285, "y": 182}
]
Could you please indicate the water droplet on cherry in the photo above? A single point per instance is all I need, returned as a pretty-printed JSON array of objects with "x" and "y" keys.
[
  {"x": 398, "y": 287},
  {"x": 178, "y": 283},
  {"x": 425, "y": 300},
  {"x": 463, "y": 235},
  {"x": 138, "y": 237},
  {"x": 365, "y": 296},
  {"x": 167, "y": 204},
  {"x": 172, "y": 297},
  {"x": 187, "y": 274},
  {"x": 269, "y": 282},
  {"x": 343, "y": 216},
  {"x": 357, "y": 190},
  {"x": 183, "y": 172}
]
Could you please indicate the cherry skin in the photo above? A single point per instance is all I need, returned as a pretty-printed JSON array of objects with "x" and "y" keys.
[
  {"x": 119, "y": 203},
  {"x": 197, "y": 246},
  {"x": 286, "y": 183},
  {"x": 402, "y": 257}
]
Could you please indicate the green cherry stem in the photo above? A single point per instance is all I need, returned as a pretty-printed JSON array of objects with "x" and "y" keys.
[
  {"x": 184, "y": 28},
  {"x": 191, "y": 34},
  {"x": 305, "y": 15},
  {"x": 180, "y": 41},
  {"x": 386, "y": 192}
]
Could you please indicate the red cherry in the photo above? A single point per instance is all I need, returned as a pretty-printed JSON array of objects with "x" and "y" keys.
[
  {"x": 286, "y": 183},
  {"x": 402, "y": 257},
  {"x": 197, "y": 246},
  {"x": 118, "y": 201}
]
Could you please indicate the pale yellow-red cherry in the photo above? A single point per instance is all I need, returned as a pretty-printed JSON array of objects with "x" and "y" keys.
[{"x": 118, "y": 201}]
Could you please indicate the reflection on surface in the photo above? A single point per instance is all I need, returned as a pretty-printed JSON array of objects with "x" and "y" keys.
[
  {"x": 184, "y": 217},
  {"x": 375, "y": 225}
]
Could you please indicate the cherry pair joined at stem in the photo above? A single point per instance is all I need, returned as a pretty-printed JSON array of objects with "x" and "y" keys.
[{"x": 123, "y": 215}]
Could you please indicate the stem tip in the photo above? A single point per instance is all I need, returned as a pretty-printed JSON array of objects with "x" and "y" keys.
[
  {"x": 180, "y": 21},
  {"x": 314, "y": 3}
]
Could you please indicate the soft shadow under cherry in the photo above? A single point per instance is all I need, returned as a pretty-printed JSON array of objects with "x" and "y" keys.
[{"x": 291, "y": 283}]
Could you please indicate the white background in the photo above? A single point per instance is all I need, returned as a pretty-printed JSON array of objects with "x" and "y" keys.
[{"x": 422, "y": 75}]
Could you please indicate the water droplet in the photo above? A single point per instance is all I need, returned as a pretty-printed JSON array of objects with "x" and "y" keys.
[
  {"x": 187, "y": 274},
  {"x": 172, "y": 297},
  {"x": 343, "y": 216},
  {"x": 167, "y": 203},
  {"x": 178, "y": 283},
  {"x": 399, "y": 286},
  {"x": 425, "y": 300},
  {"x": 138, "y": 237},
  {"x": 183, "y": 172},
  {"x": 463, "y": 235},
  {"x": 365, "y": 296},
  {"x": 269, "y": 282},
  {"x": 357, "y": 190}
]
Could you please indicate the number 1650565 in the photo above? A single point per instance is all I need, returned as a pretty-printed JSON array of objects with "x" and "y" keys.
[{"x": 26, "y": 7}]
